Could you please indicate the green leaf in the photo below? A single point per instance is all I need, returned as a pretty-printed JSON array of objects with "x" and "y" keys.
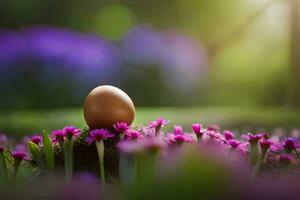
[
  {"x": 48, "y": 150},
  {"x": 35, "y": 151}
]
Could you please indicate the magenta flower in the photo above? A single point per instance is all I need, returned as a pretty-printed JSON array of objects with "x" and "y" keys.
[
  {"x": 290, "y": 145},
  {"x": 98, "y": 135},
  {"x": 228, "y": 135},
  {"x": 235, "y": 144},
  {"x": 37, "y": 139},
  {"x": 20, "y": 152},
  {"x": 265, "y": 144},
  {"x": 71, "y": 131},
  {"x": 58, "y": 136},
  {"x": 158, "y": 123},
  {"x": 179, "y": 139},
  {"x": 133, "y": 135},
  {"x": 197, "y": 128},
  {"x": 121, "y": 127}
]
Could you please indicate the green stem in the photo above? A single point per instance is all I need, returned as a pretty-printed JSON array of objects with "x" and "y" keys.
[
  {"x": 17, "y": 163},
  {"x": 253, "y": 154},
  {"x": 100, "y": 150},
  {"x": 3, "y": 168},
  {"x": 68, "y": 152}
]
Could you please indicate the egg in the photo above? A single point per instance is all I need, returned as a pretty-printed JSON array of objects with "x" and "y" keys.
[{"x": 106, "y": 105}]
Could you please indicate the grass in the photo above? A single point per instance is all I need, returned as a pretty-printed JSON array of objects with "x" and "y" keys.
[{"x": 19, "y": 123}]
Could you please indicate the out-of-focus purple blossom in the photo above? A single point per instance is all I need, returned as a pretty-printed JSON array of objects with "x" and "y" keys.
[
  {"x": 180, "y": 57},
  {"x": 265, "y": 144},
  {"x": 133, "y": 135},
  {"x": 121, "y": 127},
  {"x": 58, "y": 136},
  {"x": 71, "y": 131},
  {"x": 228, "y": 135},
  {"x": 3, "y": 141},
  {"x": 37, "y": 139},
  {"x": 12, "y": 47},
  {"x": 98, "y": 135}
]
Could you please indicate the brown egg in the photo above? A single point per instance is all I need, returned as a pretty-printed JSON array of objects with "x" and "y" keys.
[{"x": 105, "y": 105}]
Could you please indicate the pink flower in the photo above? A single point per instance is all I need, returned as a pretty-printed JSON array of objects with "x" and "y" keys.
[
  {"x": 228, "y": 135},
  {"x": 71, "y": 131},
  {"x": 290, "y": 145},
  {"x": 20, "y": 152},
  {"x": 37, "y": 139},
  {"x": 179, "y": 137},
  {"x": 98, "y": 135},
  {"x": 133, "y": 135},
  {"x": 58, "y": 136},
  {"x": 265, "y": 144},
  {"x": 158, "y": 123},
  {"x": 121, "y": 127},
  {"x": 197, "y": 128}
]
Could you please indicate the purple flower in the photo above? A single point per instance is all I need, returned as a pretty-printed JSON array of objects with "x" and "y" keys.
[
  {"x": 98, "y": 135},
  {"x": 290, "y": 145},
  {"x": 19, "y": 155},
  {"x": 37, "y": 139},
  {"x": 228, "y": 135},
  {"x": 197, "y": 128},
  {"x": 71, "y": 131},
  {"x": 158, "y": 123},
  {"x": 58, "y": 136},
  {"x": 121, "y": 127},
  {"x": 20, "y": 152},
  {"x": 133, "y": 135},
  {"x": 235, "y": 144}
]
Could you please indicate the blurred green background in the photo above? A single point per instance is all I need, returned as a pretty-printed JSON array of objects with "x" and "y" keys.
[{"x": 248, "y": 52}]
